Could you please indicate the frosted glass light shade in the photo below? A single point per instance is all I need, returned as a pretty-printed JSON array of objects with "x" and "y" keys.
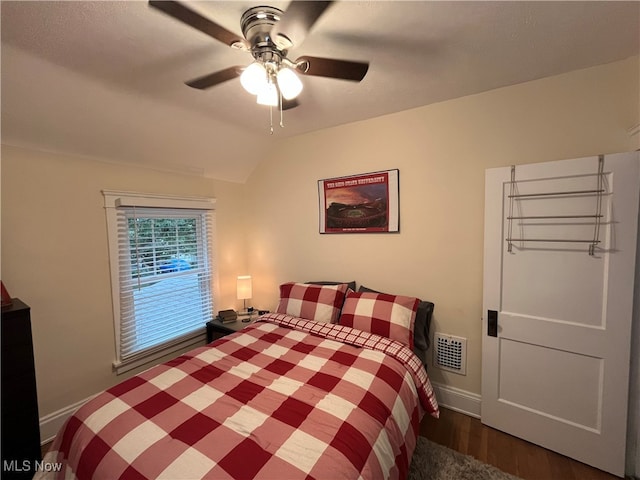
[
  {"x": 268, "y": 95},
  {"x": 254, "y": 78},
  {"x": 289, "y": 83},
  {"x": 244, "y": 287}
]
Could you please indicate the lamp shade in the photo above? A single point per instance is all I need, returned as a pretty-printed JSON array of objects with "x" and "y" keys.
[
  {"x": 254, "y": 78},
  {"x": 268, "y": 95},
  {"x": 289, "y": 83},
  {"x": 244, "y": 287}
]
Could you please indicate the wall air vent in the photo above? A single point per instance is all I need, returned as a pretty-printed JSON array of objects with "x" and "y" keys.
[{"x": 450, "y": 353}]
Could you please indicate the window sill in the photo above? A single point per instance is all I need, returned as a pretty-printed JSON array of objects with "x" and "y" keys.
[{"x": 121, "y": 367}]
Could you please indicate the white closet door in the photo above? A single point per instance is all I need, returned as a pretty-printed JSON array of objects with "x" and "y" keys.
[{"x": 556, "y": 372}]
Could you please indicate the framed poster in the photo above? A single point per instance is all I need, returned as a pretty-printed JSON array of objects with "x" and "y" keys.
[{"x": 365, "y": 203}]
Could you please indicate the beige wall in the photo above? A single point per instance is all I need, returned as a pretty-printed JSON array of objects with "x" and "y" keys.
[
  {"x": 54, "y": 241},
  {"x": 55, "y": 258},
  {"x": 442, "y": 152}
]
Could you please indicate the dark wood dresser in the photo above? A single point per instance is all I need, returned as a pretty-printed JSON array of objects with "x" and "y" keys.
[{"x": 20, "y": 426}]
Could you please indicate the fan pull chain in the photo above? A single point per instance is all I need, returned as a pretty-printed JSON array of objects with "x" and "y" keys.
[
  {"x": 271, "y": 116},
  {"x": 281, "y": 115},
  {"x": 270, "y": 120}
]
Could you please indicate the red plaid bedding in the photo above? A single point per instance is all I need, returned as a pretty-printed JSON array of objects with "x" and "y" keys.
[{"x": 283, "y": 398}]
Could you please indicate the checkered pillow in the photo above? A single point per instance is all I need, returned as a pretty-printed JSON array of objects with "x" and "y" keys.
[
  {"x": 391, "y": 316},
  {"x": 321, "y": 303}
]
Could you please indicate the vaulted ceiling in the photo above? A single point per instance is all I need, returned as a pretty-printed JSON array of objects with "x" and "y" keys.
[{"x": 105, "y": 79}]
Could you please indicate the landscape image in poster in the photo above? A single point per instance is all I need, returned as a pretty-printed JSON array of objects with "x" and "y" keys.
[{"x": 357, "y": 203}]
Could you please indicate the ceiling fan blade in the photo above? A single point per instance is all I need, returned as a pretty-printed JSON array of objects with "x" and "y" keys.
[
  {"x": 216, "y": 78},
  {"x": 329, "y": 67},
  {"x": 289, "y": 104},
  {"x": 180, "y": 12},
  {"x": 296, "y": 22}
]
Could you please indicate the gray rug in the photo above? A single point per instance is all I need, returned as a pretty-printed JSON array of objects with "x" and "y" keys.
[{"x": 435, "y": 462}]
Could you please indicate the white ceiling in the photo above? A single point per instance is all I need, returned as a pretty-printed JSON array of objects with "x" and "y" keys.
[{"x": 106, "y": 79}]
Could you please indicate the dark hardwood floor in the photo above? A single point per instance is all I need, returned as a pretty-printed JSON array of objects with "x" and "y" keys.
[{"x": 510, "y": 454}]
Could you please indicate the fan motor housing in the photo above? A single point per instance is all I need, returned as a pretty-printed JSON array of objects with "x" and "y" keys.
[{"x": 257, "y": 23}]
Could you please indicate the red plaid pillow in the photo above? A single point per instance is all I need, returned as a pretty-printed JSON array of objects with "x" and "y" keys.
[
  {"x": 391, "y": 316},
  {"x": 321, "y": 303}
]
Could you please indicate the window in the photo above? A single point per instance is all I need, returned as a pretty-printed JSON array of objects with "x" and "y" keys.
[{"x": 161, "y": 256}]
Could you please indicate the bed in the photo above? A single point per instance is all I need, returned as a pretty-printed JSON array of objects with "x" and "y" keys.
[{"x": 288, "y": 396}]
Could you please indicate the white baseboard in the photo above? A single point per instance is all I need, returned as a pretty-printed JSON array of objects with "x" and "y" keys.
[
  {"x": 52, "y": 423},
  {"x": 459, "y": 400}
]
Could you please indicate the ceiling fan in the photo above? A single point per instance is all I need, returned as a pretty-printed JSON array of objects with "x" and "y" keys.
[{"x": 268, "y": 35}]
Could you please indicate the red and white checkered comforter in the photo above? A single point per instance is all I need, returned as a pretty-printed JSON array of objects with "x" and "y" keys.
[{"x": 284, "y": 398}]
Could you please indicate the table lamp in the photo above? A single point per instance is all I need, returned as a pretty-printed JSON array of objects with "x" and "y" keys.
[{"x": 244, "y": 289}]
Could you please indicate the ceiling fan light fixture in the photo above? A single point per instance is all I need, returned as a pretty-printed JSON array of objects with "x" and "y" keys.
[
  {"x": 267, "y": 34},
  {"x": 268, "y": 95},
  {"x": 289, "y": 83},
  {"x": 254, "y": 78}
]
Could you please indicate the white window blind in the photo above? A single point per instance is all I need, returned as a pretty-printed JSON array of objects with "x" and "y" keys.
[{"x": 164, "y": 278}]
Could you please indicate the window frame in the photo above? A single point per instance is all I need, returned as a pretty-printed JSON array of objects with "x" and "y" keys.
[{"x": 114, "y": 202}]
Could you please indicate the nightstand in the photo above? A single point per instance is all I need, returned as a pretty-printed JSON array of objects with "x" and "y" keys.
[{"x": 216, "y": 329}]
